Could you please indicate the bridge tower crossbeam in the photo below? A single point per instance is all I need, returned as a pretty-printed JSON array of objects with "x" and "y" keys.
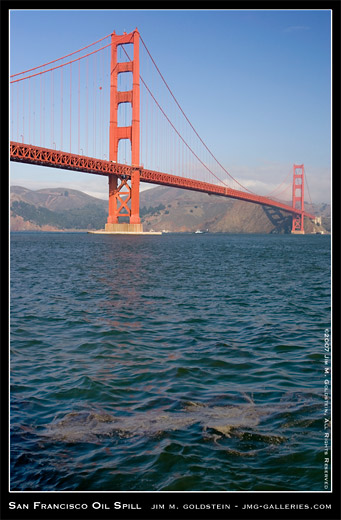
[{"x": 120, "y": 191}]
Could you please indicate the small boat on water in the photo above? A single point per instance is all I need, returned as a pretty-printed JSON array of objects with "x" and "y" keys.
[{"x": 198, "y": 231}]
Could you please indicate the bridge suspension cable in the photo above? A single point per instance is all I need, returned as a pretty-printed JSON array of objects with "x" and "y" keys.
[
  {"x": 183, "y": 140},
  {"x": 188, "y": 146},
  {"x": 173, "y": 126},
  {"x": 287, "y": 187},
  {"x": 195, "y": 131},
  {"x": 82, "y": 102},
  {"x": 306, "y": 183},
  {"x": 62, "y": 105},
  {"x": 279, "y": 186},
  {"x": 58, "y": 59},
  {"x": 59, "y": 66},
  {"x": 189, "y": 122}
]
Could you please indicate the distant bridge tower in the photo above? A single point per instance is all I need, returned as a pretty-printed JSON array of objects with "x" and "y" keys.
[
  {"x": 298, "y": 198},
  {"x": 120, "y": 193}
]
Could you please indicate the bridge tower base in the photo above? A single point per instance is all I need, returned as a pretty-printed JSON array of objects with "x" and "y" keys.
[
  {"x": 124, "y": 227},
  {"x": 298, "y": 199}
]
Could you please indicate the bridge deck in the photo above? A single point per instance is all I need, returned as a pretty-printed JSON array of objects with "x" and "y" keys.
[{"x": 30, "y": 154}]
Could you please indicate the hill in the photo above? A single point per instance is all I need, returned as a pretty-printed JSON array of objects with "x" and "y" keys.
[
  {"x": 55, "y": 209},
  {"x": 184, "y": 210},
  {"x": 161, "y": 208}
]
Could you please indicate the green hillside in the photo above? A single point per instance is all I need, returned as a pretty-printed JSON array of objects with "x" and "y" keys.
[{"x": 87, "y": 217}]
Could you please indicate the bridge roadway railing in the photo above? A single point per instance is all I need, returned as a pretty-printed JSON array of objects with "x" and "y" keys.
[{"x": 31, "y": 154}]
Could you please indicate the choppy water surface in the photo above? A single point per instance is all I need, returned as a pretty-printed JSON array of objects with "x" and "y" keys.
[{"x": 169, "y": 363}]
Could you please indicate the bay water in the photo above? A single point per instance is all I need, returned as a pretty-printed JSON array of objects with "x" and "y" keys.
[{"x": 181, "y": 362}]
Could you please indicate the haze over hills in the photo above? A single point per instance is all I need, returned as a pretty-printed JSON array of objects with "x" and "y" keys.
[{"x": 161, "y": 208}]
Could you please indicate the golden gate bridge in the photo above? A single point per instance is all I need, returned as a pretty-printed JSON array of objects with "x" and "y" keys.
[{"x": 61, "y": 111}]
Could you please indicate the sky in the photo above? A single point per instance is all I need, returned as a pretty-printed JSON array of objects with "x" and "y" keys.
[{"x": 256, "y": 84}]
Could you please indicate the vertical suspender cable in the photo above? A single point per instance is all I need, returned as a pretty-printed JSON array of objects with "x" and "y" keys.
[
  {"x": 61, "y": 109},
  {"x": 23, "y": 113},
  {"x": 87, "y": 101},
  {"x": 152, "y": 137},
  {"x": 18, "y": 113},
  {"x": 100, "y": 107},
  {"x": 102, "y": 102},
  {"x": 79, "y": 107},
  {"x": 100, "y": 122},
  {"x": 52, "y": 109},
  {"x": 70, "y": 101},
  {"x": 41, "y": 110},
  {"x": 12, "y": 114},
  {"x": 145, "y": 133},
  {"x": 29, "y": 111},
  {"x": 34, "y": 111},
  {"x": 156, "y": 142},
  {"x": 94, "y": 94}
]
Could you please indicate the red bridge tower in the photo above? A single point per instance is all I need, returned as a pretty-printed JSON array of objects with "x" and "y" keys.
[
  {"x": 120, "y": 192},
  {"x": 298, "y": 199}
]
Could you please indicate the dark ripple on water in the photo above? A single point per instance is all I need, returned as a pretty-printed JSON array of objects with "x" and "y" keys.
[{"x": 156, "y": 363}]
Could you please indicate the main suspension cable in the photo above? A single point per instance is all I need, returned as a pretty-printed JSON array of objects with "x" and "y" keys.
[
  {"x": 188, "y": 121},
  {"x": 62, "y": 65},
  {"x": 278, "y": 187},
  {"x": 58, "y": 59},
  {"x": 169, "y": 121},
  {"x": 306, "y": 181}
]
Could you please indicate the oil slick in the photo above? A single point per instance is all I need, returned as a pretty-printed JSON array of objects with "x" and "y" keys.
[{"x": 216, "y": 422}]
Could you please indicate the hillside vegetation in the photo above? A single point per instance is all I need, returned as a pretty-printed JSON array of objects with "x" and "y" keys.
[{"x": 161, "y": 208}]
